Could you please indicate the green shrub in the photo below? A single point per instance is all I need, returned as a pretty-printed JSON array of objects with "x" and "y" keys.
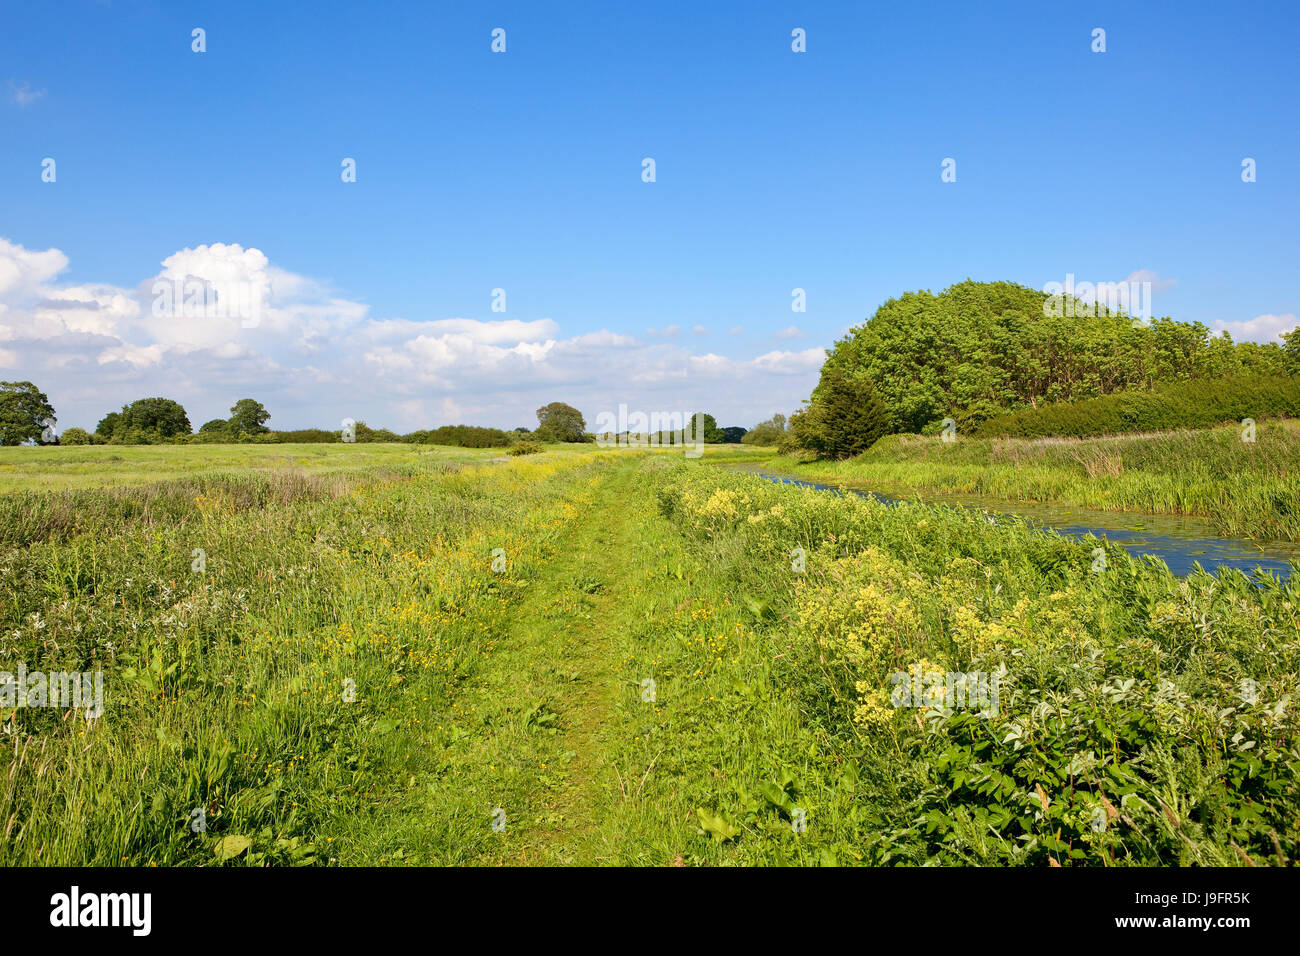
[
  {"x": 462, "y": 436},
  {"x": 1196, "y": 404}
]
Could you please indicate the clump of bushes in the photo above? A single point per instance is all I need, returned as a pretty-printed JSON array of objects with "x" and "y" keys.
[
  {"x": 75, "y": 436},
  {"x": 526, "y": 447},
  {"x": 1195, "y": 404},
  {"x": 462, "y": 436}
]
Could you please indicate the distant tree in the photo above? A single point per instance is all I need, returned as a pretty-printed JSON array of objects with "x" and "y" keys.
[
  {"x": 75, "y": 436},
  {"x": 248, "y": 417},
  {"x": 23, "y": 411},
  {"x": 108, "y": 425},
  {"x": 733, "y": 434},
  {"x": 770, "y": 432},
  {"x": 560, "y": 422},
  {"x": 216, "y": 425},
  {"x": 146, "y": 420},
  {"x": 845, "y": 418},
  {"x": 707, "y": 427}
]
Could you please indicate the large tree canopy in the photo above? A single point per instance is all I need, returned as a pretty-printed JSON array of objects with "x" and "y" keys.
[
  {"x": 248, "y": 417},
  {"x": 146, "y": 418},
  {"x": 23, "y": 412},
  {"x": 560, "y": 422},
  {"x": 981, "y": 348}
]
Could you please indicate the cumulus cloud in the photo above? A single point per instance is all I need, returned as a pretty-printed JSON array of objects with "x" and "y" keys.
[
  {"x": 219, "y": 322},
  {"x": 1262, "y": 328},
  {"x": 791, "y": 332}
]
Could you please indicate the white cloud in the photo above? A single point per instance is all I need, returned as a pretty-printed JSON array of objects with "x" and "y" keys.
[
  {"x": 314, "y": 356},
  {"x": 1262, "y": 328},
  {"x": 1149, "y": 275},
  {"x": 23, "y": 94},
  {"x": 791, "y": 332}
]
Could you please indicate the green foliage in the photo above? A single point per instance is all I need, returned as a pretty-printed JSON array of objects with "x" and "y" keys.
[
  {"x": 558, "y": 422},
  {"x": 463, "y": 436},
  {"x": 844, "y": 419},
  {"x": 74, "y": 436},
  {"x": 1140, "y": 719},
  {"x": 769, "y": 433},
  {"x": 526, "y": 447},
  {"x": 248, "y": 417},
  {"x": 145, "y": 421},
  {"x": 1194, "y": 404},
  {"x": 108, "y": 425},
  {"x": 706, "y": 426},
  {"x": 1291, "y": 349},
  {"x": 982, "y": 348},
  {"x": 23, "y": 410},
  {"x": 733, "y": 434},
  {"x": 312, "y": 436},
  {"x": 1243, "y": 489}
]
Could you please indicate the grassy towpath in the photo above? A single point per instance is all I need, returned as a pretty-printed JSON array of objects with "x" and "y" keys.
[{"x": 626, "y": 693}]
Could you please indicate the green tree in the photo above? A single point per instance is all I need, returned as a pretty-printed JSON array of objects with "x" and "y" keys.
[
  {"x": 75, "y": 436},
  {"x": 215, "y": 426},
  {"x": 248, "y": 417},
  {"x": 770, "y": 432},
  {"x": 733, "y": 434},
  {"x": 707, "y": 426},
  {"x": 844, "y": 420},
  {"x": 560, "y": 422},
  {"x": 979, "y": 349},
  {"x": 145, "y": 420},
  {"x": 108, "y": 425},
  {"x": 1291, "y": 349},
  {"x": 23, "y": 412}
]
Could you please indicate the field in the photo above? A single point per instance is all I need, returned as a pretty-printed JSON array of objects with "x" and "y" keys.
[
  {"x": 339, "y": 655},
  {"x": 51, "y": 468}
]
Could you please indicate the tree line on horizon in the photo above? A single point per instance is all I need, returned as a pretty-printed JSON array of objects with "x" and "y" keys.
[
  {"x": 977, "y": 358},
  {"x": 26, "y": 415}
]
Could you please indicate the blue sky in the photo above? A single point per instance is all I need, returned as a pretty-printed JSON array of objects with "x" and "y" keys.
[{"x": 522, "y": 171}]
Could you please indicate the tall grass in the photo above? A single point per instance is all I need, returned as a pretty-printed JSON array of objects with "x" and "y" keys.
[
  {"x": 1141, "y": 719},
  {"x": 227, "y": 679},
  {"x": 1246, "y": 489}
]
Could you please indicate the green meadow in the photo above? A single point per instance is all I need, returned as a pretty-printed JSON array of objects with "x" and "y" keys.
[{"x": 404, "y": 655}]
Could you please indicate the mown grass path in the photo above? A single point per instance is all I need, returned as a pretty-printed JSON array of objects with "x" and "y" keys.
[
  {"x": 537, "y": 728},
  {"x": 560, "y": 729}
]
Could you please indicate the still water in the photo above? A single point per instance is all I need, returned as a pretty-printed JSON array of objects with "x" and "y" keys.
[{"x": 1181, "y": 542}]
